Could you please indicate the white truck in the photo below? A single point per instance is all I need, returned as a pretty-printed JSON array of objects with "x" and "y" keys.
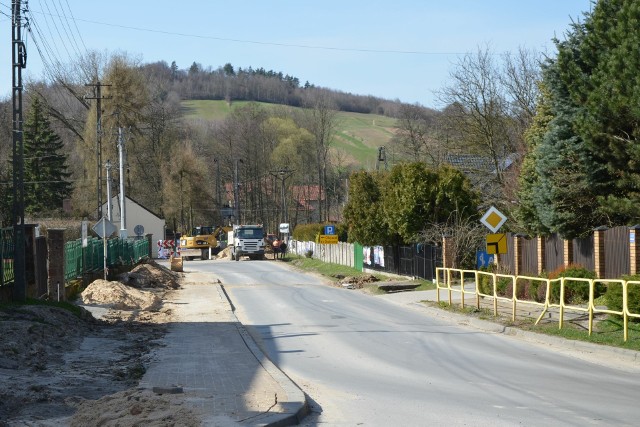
[{"x": 248, "y": 240}]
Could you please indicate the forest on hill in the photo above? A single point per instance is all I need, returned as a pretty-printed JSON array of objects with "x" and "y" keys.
[{"x": 172, "y": 145}]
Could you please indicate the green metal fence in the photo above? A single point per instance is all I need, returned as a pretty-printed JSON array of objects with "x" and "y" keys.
[
  {"x": 90, "y": 260},
  {"x": 6, "y": 256}
]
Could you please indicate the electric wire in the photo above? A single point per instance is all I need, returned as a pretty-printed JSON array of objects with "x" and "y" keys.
[
  {"x": 64, "y": 21},
  {"x": 266, "y": 43}
]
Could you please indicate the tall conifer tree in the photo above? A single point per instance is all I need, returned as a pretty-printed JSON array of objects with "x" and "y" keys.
[{"x": 45, "y": 171}]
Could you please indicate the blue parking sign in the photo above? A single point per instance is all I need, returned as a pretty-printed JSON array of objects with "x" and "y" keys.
[
  {"x": 330, "y": 230},
  {"x": 483, "y": 259}
]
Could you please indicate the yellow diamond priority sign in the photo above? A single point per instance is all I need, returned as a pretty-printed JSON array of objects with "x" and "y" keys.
[{"x": 493, "y": 219}]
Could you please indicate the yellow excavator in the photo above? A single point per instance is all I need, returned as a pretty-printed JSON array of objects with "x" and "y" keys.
[{"x": 203, "y": 241}]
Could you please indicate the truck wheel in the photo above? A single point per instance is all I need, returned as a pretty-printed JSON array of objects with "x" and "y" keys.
[
  {"x": 237, "y": 257},
  {"x": 204, "y": 254}
]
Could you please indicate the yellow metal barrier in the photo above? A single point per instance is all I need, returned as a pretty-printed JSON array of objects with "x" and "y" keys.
[
  {"x": 458, "y": 280},
  {"x": 455, "y": 280}
]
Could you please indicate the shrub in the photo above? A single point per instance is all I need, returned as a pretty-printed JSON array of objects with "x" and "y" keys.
[
  {"x": 503, "y": 285},
  {"x": 309, "y": 232},
  {"x": 575, "y": 292},
  {"x": 529, "y": 290},
  {"x": 485, "y": 283},
  {"x": 613, "y": 296}
]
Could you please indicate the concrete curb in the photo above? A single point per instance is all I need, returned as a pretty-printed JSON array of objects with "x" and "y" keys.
[
  {"x": 296, "y": 407},
  {"x": 619, "y": 358}
]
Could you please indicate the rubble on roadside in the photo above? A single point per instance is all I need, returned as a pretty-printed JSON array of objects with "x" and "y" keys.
[{"x": 357, "y": 282}]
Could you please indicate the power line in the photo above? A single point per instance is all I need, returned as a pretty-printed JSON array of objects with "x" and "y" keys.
[{"x": 246, "y": 41}]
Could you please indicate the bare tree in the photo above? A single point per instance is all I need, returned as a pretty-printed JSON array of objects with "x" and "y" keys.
[
  {"x": 520, "y": 78},
  {"x": 480, "y": 108},
  {"x": 321, "y": 121},
  {"x": 465, "y": 235},
  {"x": 418, "y": 138}
]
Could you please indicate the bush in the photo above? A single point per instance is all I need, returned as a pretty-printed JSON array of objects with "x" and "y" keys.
[
  {"x": 308, "y": 254},
  {"x": 503, "y": 285},
  {"x": 530, "y": 290},
  {"x": 308, "y": 232},
  {"x": 613, "y": 296},
  {"x": 575, "y": 292},
  {"x": 485, "y": 285}
]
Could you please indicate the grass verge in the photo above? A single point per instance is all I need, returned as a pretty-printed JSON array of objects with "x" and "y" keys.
[
  {"x": 335, "y": 272},
  {"x": 607, "y": 331}
]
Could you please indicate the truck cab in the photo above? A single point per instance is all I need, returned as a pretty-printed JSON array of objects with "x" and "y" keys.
[{"x": 248, "y": 240}]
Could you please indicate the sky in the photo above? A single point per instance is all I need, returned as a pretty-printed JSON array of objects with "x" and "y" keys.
[{"x": 400, "y": 49}]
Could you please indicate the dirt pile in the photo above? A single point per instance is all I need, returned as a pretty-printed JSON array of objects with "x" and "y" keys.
[
  {"x": 57, "y": 361},
  {"x": 150, "y": 275},
  {"x": 225, "y": 253},
  {"x": 353, "y": 282},
  {"x": 133, "y": 408},
  {"x": 120, "y": 296}
]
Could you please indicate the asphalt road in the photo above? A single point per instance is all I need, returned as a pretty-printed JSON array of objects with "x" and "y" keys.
[{"x": 364, "y": 360}]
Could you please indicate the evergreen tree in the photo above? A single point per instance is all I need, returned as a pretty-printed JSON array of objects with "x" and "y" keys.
[
  {"x": 45, "y": 170},
  {"x": 583, "y": 168},
  {"x": 363, "y": 212},
  {"x": 526, "y": 212},
  {"x": 415, "y": 196},
  {"x": 605, "y": 81}
]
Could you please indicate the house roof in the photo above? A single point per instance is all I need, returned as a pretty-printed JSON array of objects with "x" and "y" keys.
[
  {"x": 307, "y": 193},
  {"x": 476, "y": 163}
]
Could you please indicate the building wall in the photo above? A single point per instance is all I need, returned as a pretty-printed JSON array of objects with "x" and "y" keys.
[{"x": 138, "y": 215}]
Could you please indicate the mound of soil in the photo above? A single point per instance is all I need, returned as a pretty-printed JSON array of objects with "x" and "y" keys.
[
  {"x": 120, "y": 296},
  {"x": 56, "y": 363},
  {"x": 357, "y": 282}
]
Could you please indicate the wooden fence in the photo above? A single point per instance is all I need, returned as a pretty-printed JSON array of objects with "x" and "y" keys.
[{"x": 610, "y": 253}]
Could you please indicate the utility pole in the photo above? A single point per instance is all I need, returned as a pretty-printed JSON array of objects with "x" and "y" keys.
[
  {"x": 218, "y": 205},
  {"x": 283, "y": 174},
  {"x": 98, "y": 97},
  {"x": 236, "y": 191},
  {"x": 19, "y": 57},
  {"x": 108, "y": 168},
  {"x": 123, "y": 211}
]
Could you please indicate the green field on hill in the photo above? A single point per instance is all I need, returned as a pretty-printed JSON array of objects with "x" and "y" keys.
[{"x": 358, "y": 135}]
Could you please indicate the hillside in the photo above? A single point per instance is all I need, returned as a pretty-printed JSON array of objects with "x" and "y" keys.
[{"x": 358, "y": 137}]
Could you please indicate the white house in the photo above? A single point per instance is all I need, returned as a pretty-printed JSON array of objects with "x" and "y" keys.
[{"x": 139, "y": 221}]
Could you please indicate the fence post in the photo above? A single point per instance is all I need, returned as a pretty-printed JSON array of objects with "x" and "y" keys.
[
  {"x": 541, "y": 254},
  {"x": 567, "y": 252},
  {"x": 55, "y": 240},
  {"x": 517, "y": 253},
  {"x": 448, "y": 254},
  {"x": 634, "y": 249},
  {"x": 150, "y": 242},
  {"x": 598, "y": 251}
]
